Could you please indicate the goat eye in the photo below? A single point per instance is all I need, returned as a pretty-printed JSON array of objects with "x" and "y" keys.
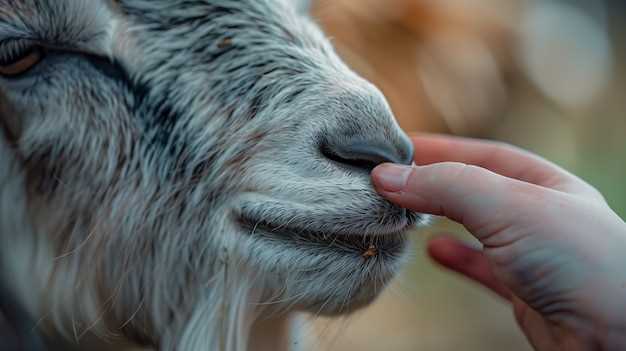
[{"x": 19, "y": 57}]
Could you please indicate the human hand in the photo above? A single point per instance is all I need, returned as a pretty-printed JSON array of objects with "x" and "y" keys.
[{"x": 551, "y": 244}]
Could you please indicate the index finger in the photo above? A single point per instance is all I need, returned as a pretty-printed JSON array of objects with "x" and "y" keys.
[{"x": 500, "y": 158}]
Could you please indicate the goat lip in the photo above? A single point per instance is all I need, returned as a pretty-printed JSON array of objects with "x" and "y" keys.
[{"x": 391, "y": 241}]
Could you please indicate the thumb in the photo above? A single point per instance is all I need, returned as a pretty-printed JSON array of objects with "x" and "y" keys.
[{"x": 470, "y": 195}]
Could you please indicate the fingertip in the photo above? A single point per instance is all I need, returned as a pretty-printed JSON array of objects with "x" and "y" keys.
[
  {"x": 397, "y": 184},
  {"x": 440, "y": 244},
  {"x": 459, "y": 257},
  {"x": 453, "y": 253},
  {"x": 447, "y": 250},
  {"x": 390, "y": 177}
]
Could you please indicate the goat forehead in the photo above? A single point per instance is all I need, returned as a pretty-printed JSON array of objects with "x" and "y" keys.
[
  {"x": 193, "y": 8},
  {"x": 66, "y": 23},
  {"x": 248, "y": 49},
  {"x": 201, "y": 17},
  {"x": 92, "y": 26},
  {"x": 193, "y": 29}
]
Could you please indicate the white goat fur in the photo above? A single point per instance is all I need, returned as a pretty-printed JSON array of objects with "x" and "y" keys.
[{"x": 136, "y": 155}]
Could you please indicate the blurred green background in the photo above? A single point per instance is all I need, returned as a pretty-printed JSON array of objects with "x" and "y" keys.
[{"x": 546, "y": 75}]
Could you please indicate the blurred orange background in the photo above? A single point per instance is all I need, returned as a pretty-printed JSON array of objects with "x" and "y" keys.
[{"x": 546, "y": 75}]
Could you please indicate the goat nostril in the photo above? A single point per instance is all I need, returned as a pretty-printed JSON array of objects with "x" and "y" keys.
[{"x": 367, "y": 154}]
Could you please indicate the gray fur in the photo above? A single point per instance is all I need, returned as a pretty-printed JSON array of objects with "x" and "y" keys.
[{"x": 133, "y": 191}]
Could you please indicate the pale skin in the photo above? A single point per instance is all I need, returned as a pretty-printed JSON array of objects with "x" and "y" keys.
[{"x": 552, "y": 246}]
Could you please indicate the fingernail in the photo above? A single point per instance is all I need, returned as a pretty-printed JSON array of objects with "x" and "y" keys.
[{"x": 391, "y": 177}]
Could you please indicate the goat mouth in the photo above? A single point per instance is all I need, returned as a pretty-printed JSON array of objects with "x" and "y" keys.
[{"x": 382, "y": 243}]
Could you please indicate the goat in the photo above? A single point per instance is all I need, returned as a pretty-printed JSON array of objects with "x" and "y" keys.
[{"x": 182, "y": 174}]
